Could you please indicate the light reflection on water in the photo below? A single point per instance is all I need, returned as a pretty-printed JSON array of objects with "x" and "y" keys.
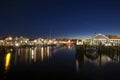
[
  {"x": 66, "y": 59},
  {"x": 27, "y": 55},
  {"x": 33, "y": 54},
  {"x": 7, "y": 61},
  {"x": 102, "y": 65}
]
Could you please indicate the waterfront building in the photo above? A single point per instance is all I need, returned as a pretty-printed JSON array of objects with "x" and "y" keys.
[
  {"x": 107, "y": 40},
  {"x": 100, "y": 39},
  {"x": 1, "y": 42},
  {"x": 8, "y": 41}
]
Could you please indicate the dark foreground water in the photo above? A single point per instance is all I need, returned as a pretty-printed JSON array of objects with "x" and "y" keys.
[{"x": 58, "y": 63}]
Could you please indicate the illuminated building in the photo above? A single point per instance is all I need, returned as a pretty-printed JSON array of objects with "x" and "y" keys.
[{"x": 107, "y": 40}]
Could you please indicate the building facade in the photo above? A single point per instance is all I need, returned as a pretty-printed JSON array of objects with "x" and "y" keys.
[{"x": 107, "y": 40}]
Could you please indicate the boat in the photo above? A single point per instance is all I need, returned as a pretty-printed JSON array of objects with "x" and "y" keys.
[{"x": 91, "y": 53}]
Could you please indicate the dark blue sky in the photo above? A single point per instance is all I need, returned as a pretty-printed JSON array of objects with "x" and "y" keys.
[{"x": 63, "y": 18}]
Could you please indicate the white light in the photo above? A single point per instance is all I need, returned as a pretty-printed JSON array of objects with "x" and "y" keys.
[
  {"x": 16, "y": 44},
  {"x": 55, "y": 42},
  {"x": 35, "y": 41},
  {"x": 26, "y": 41},
  {"x": 32, "y": 54},
  {"x": 108, "y": 44},
  {"x": 10, "y": 38},
  {"x": 69, "y": 41}
]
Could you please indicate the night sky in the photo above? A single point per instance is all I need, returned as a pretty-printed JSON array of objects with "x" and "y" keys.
[{"x": 61, "y": 18}]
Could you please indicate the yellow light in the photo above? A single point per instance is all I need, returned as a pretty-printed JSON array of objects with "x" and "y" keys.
[{"x": 7, "y": 60}]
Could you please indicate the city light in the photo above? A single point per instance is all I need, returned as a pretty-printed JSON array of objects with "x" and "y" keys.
[{"x": 17, "y": 44}]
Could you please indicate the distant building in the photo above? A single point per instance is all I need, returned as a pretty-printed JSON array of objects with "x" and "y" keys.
[
  {"x": 100, "y": 39},
  {"x": 107, "y": 40}
]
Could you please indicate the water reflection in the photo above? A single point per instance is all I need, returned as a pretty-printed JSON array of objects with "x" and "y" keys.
[
  {"x": 28, "y": 55},
  {"x": 51, "y": 60},
  {"x": 79, "y": 58},
  {"x": 99, "y": 59},
  {"x": 34, "y": 54},
  {"x": 77, "y": 65},
  {"x": 7, "y": 61},
  {"x": 42, "y": 54}
]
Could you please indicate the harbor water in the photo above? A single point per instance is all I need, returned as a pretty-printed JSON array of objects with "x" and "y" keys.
[{"x": 58, "y": 62}]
